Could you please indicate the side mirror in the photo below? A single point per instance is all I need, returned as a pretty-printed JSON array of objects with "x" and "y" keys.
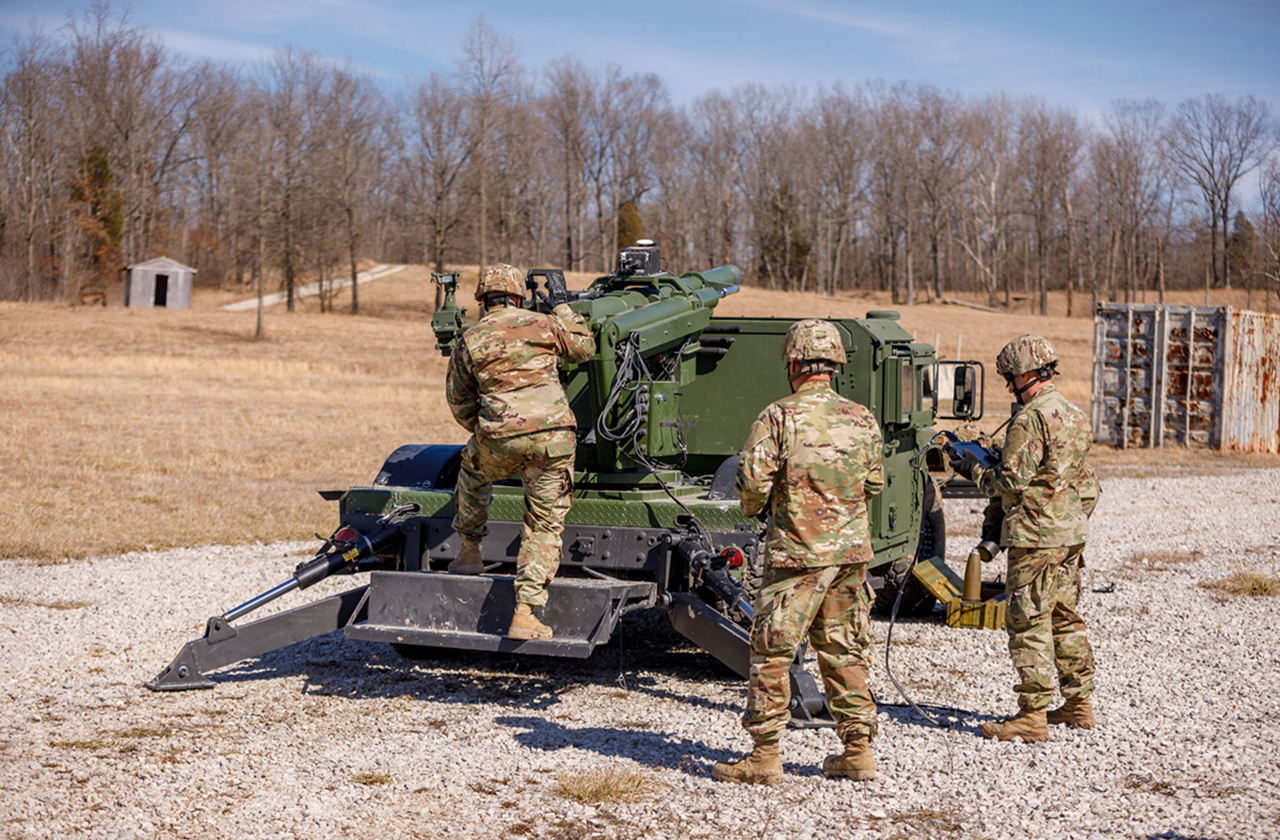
[
  {"x": 968, "y": 385},
  {"x": 962, "y": 395}
]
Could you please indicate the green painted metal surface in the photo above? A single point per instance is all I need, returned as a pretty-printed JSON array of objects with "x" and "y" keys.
[
  {"x": 631, "y": 508},
  {"x": 706, "y": 380}
]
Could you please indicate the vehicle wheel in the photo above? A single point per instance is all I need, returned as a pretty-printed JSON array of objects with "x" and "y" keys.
[{"x": 916, "y": 599}]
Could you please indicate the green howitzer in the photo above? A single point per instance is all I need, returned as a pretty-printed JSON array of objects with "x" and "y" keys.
[
  {"x": 662, "y": 410},
  {"x": 648, "y": 329}
]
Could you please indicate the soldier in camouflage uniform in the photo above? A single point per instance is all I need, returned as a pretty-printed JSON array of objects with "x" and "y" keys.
[
  {"x": 1047, "y": 490},
  {"x": 812, "y": 460},
  {"x": 503, "y": 386}
]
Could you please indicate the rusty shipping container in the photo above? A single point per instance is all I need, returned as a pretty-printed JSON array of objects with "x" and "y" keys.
[{"x": 1186, "y": 376}]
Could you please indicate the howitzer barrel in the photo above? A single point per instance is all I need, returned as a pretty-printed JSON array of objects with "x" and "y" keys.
[
  {"x": 684, "y": 310},
  {"x": 725, "y": 278}
]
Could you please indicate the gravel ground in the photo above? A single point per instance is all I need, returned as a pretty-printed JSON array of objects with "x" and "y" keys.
[{"x": 335, "y": 738}]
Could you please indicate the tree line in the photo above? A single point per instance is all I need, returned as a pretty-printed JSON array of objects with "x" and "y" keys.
[{"x": 298, "y": 167}]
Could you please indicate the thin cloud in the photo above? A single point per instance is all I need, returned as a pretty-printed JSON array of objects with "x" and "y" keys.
[
  {"x": 280, "y": 13},
  {"x": 217, "y": 49},
  {"x": 22, "y": 23},
  {"x": 843, "y": 17},
  {"x": 937, "y": 41}
]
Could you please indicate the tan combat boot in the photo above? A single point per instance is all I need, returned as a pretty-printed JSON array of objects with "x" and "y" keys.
[
  {"x": 1029, "y": 726},
  {"x": 1075, "y": 712},
  {"x": 762, "y": 767},
  {"x": 468, "y": 561},
  {"x": 856, "y": 762},
  {"x": 524, "y": 625}
]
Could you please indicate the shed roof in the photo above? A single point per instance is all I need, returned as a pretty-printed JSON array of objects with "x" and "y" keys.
[{"x": 162, "y": 264}]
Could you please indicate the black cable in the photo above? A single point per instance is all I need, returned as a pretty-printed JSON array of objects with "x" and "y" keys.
[
  {"x": 893, "y": 617},
  {"x": 897, "y": 602},
  {"x": 703, "y": 534},
  {"x": 632, "y": 373}
]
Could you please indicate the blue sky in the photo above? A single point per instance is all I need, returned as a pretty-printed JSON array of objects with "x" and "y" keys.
[{"x": 1077, "y": 54}]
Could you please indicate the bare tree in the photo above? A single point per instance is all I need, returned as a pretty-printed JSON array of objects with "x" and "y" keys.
[
  {"x": 255, "y": 169},
  {"x": 941, "y": 148},
  {"x": 676, "y": 213},
  {"x": 989, "y": 130},
  {"x": 489, "y": 67},
  {"x": 349, "y": 152},
  {"x": 520, "y": 180},
  {"x": 439, "y": 148},
  {"x": 30, "y": 124},
  {"x": 894, "y": 191},
  {"x": 142, "y": 108},
  {"x": 771, "y": 166},
  {"x": 715, "y": 149},
  {"x": 216, "y": 125},
  {"x": 603, "y": 121},
  {"x": 568, "y": 99},
  {"x": 839, "y": 127},
  {"x": 1131, "y": 161},
  {"x": 1269, "y": 233},
  {"x": 1214, "y": 143},
  {"x": 285, "y": 83},
  {"x": 114, "y": 150},
  {"x": 644, "y": 101},
  {"x": 1048, "y": 144}
]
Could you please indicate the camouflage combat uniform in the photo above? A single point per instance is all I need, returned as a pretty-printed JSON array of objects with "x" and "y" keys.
[
  {"x": 812, "y": 459},
  {"x": 1047, "y": 490},
  {"x": 503, "y": 386}
]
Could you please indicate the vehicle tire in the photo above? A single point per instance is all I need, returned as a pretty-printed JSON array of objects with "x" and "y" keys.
[{"x": 916, "y": 599}]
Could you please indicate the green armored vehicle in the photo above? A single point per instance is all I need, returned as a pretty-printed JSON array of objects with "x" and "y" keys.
[{"x": 662, "y": 410}]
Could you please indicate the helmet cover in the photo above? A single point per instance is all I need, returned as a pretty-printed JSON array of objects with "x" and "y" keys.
[
  {"x": 1025, "y": 354},
  {"x": 501, "y": 278},
  {"x": 813, "y": 340}
]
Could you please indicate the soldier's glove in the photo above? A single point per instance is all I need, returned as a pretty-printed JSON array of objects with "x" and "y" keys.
[{"x": 967, "y": 464}]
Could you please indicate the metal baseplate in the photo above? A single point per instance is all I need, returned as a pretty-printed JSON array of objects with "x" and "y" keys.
[
  {"x": 809, "y": 709},
  {"x": 946, "y": 586},
  {"x": 473, "y": 612}
]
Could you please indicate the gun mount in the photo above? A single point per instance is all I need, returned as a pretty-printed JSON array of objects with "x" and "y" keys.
[{"x": 449, "y": 320}]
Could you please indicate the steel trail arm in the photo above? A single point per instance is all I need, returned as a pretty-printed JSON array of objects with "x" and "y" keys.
[{"x": 224, "y": 644}]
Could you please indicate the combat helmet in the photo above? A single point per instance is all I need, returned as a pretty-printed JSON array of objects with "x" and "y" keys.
[
  {"x": 815, "y": 344},
  {"x": 500, "y": 278},
  {"x": 1024, "y": 354}
]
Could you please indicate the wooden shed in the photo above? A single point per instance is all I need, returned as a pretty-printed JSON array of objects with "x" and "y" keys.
[{"x": 162, "y": 283}]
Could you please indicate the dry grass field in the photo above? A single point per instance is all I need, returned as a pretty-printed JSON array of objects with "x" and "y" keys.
[{"x": 134, "y": 429}]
